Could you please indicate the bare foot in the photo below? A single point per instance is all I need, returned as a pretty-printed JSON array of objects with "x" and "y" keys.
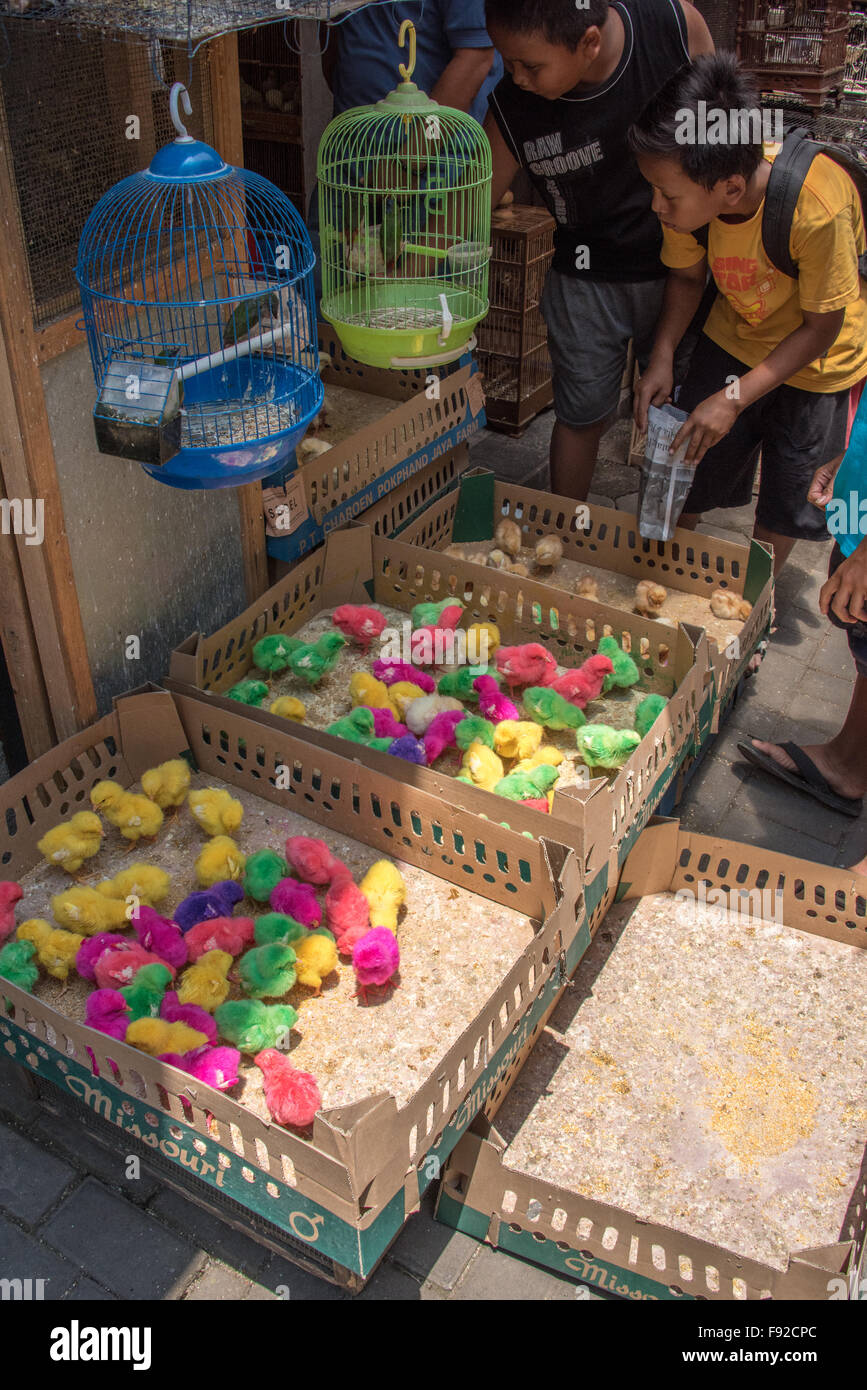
[{"x": 839, "y": 778}]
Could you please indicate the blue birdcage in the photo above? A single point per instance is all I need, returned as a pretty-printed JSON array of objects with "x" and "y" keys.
[{"x": 196, "y": 281}]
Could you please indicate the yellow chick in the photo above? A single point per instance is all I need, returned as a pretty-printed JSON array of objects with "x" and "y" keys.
[
  {"x": 220, "y": 859},
  {"x": 137, "y": 817},
  {"x": 508, "y": 536},
  {"x": 68, "y": 845},
  {"x": 216, "y": 810},
  {"x": 547, "y": 754},
  {"x": 86, "y": 910},
  {"x": 400, "y": 694},
  {"x": 483, "y": 640},
  {"x": 143, "y": 881},
  {"x": 385, "y": 891},
  {"x": 288, "y": 708},
  {"x": 481, "y": 766},
  {"x": 315, "y": 958},
  {"x": 365, "y": 689},
  {"x": 106, "y": 797},
  {"x": 548, "y": 552},
  {"x": 55, "y": 950},
  {"x": 155, "y": 1036},
  {"x": 205, "y": 983},
  {"x": 167, "y": 784},
  {"x": 517, "y": 738}
]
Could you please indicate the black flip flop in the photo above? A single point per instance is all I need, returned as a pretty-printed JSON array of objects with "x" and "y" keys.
[{"x": 807, "y": 779}]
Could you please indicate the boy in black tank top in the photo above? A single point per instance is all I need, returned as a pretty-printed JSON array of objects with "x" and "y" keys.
[{"x": 578, "y": 75}]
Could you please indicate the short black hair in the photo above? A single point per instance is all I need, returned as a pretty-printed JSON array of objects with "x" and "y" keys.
[
  {"x": 561, "y": 21},
  {"x": 722, "y": 84}
]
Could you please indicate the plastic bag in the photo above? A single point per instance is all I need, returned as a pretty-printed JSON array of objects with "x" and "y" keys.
[{"x": 665, "y": 480}]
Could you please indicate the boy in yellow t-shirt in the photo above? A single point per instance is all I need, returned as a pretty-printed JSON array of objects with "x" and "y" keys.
[{"x": 777, "y": 356}]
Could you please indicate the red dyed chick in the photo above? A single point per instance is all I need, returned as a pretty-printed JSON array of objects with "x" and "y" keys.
[
  {"x": 292, "y": 1096},
  {"x": 10, "y": 894},
  {"x": 529, "y": 664},
  {"x": 311, "y": 858},
  {"x": 359, "y": 622},
  {"x": 581, "y": 686},
  {"x": 232, "y": 934},
  {"x": 346, "y": 909}
]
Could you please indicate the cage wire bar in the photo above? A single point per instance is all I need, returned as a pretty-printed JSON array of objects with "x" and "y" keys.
[{"x": 186, "y": 22}]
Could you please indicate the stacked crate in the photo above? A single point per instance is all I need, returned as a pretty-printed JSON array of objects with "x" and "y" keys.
[
  {"x": 270, "y": 74},
  {"x": 512, "y": 340},
  {"x": 795, "y": 47}
]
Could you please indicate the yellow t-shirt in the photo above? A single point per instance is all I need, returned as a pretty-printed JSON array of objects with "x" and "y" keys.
[{"x": 758, "y": 306}]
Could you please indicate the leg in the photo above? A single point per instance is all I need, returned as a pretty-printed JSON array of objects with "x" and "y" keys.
[
  {"x": 573, "y": 458},
  {"x": 842, "y": 761},
  {"x": 689, "y": 520},
  {"x": 782, "y": 545}
]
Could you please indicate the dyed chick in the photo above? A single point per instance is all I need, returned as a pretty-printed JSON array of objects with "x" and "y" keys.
[
  {"x": 292, "y": 1096},
  {"x": 216, "y": 901},
  {"x": 143, "y": 881},
  {"x": 155, "y": 1036},
  {"x": 649, "y": 597},
  {"x": 409, "y": 748},
  {"x": 10, "y": 894},
  {"x": 359, "y": 623},
  {"x": 272, "y": 653},
  {"x": 69, "y": 844},
  {"x": 474, "y": 728},
  {"x": 93, "y": 947},
  {"x": 492, "y": 704},
  {"x": 375, "y": 959},
  {"x": 521, "y": 786},
  {"x": 460, "y": 683},
  {"x": 161, "y": 936},
  {"x": 445, "y": 614},
  {"x": 297, "y": 900},
  {"x": 440, "y": 734},
  {"x": 391, "y": 672},
  {"x": 315, "y": 959},
  {"x": 546, "y": 756},
  {"x": 385, "y": 891},
  {"x": 232, "y": 934},
  {"x": 108, "y": 1012},
  {"x": 421, "y": 713},
  {"x": 215, "y": 1066},
  {"x": 386, "y": 726},
  {"x": 119, "y": 966},
  {"x": 250, "y": 1025},
  {"x": 366, "y": 690},
  {"x": 86, "y": 910},
  {"x": 287, "y": 707},
  {"x": 219, "y": 860},
  {"x": 483, "y": 639},
  {"x": 167, "y": 784},
  {"x": 357, "y": 727},
  {"x": 724, "y": 604},
  {"x": 481, "y": 766},
  {"x": 528, "y": 664},
  {"x": 173, "y": 1011},
  {"x": 508, "y": 536},
  {"x": 205, "y": 983},
  {"x": 550, "y": 709},
  {"x": 581, "y": 686},
  {"x": 55, "y": 950},
  {"x": 16, "y": 964},
  {"x": 248, "y": 692},
  {"x": 267, "y": 971},
  {"x": 215, "y": 810},
  {"x": 145, "y": 994},
  {"x": 346, "y": 908},
  {"x": 625, "y": 672},
  {"x": 310, "y": 662},
  {"x": 262, "y": 872},
  {"x": 401, "y": 696},
  {"x": 134, "y": 815},
  {"x": 648, "y": 712},
  {"x": 311, "y": 859},
  {"x": 517, "y": 738},
  {"x": 278, "y": 926},
  {"x": 602, "y": 746}
]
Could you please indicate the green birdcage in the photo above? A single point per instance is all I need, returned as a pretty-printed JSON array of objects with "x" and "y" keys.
[{"x": 405, "y": 224}]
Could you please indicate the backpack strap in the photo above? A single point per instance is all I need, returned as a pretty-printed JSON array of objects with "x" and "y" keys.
[{"x": 788, "y": 172}]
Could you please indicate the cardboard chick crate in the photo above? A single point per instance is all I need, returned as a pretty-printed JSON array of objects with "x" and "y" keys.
[
  {"x": 706, "y": 1066},
  {"x": 691, "y": 565},
  {"x": 384, "y": 428},
  {"x": 356, "y": 567},
  {"x": 336, "y": 1200}
]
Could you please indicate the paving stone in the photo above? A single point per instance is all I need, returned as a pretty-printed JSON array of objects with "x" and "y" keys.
[
  {"x": 302, "y": 1286},
  {"x": 833, "y": 656},
  {"x": 741, "y": 822},
  {"x": 79, "y": 1146},
  {"x": 710, "y": 793},
  {"x": 218, "y": 1283},
  {"x": 540, "y": 480},
  {"x": 125, "y": 1249},
  {"x": 390, "y": 1285},
  {"x": 31, "y": 1181},
  {"x": 827, "y": 691},
  {"x": 738, "y": 519},
  {"x": 628, "y": 503},
  {"x": 25, "y": 1257},
  {"x": 17, "y": 1097},
  {"x": 722, "y": 533},
  {"x": 84, "y": 1290},
  {"x": 614, "y": 478},
  {"x": 509, "y": 459},
  {"x": 597, "y": 499},
  {"x": 797, "y": 588},
  {"x": 777, "y": 680},
  {"x": 787, "y": 806},
  {"x": 494, "y": 1274},
  {"x": 751, "y": 716},
  {"x": 853, "y": 845},
  {"x": 431, "y": 1251},
  {"x": 209, "y": 1233}
]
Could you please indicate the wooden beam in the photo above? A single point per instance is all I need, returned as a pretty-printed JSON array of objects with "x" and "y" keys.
[
  {"x": 59, "y": 336},
  {"x": 22, "y": 656},
  {"x": 229, "y": 141}
]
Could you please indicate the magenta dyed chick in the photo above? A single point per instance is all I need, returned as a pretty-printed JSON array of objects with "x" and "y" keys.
[
  {"x": 359, "y": 622},
  {"x": 581, "y": 686},
  {"x": 493, "y": 705},
  {"x": 292, "y": 1096},
  {"x": 108, "y": 1011},
  {"x": 10, "y": 894},
  {"x": 385, "y": 725},
  {"x": 297, "y": 900},
  {"x": 215, "y": 1066},
  {"x": 92, "y": 948},
  {"x": 440, "y": 733},
  {"x": 409, "y": 748},
  {"x": 117, "y": 967},
  {"x": 375, "y": 959},
  {"x": 529, "y": 664},
  {"x": 390, "y": 672},
  {"x": 193, "y": 1015},
  {"x": 311, "y": 858},
  {"x": 232, "y": 934},
  {"x": 346, "y": 909},
  {"x": 160, "y": 935}
]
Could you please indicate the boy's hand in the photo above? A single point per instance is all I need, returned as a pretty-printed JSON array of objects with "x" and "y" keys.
[
  {"x": 821, "y": 489},
  {"x": 846, "y": 591},
  {"x": 706, "y": 426},
  {"x": 654, "y": 388}
]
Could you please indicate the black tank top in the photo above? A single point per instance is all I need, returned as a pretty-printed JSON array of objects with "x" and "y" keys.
[{"x": 575, "y": 149}]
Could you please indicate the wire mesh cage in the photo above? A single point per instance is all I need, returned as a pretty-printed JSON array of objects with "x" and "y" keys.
[
  {"x": 796, "y": 44},
  {"x": 855, "y": 79},
  {"x": 404, "y": 208},
  {"x": 196, "y": 280},
  {"x": 176, "y": 21}
]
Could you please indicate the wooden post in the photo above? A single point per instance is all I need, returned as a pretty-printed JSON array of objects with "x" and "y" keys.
[{"x": 229, "y": 142}]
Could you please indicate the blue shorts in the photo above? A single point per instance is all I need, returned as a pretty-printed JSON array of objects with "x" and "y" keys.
[{"x": 855, "y": 632}]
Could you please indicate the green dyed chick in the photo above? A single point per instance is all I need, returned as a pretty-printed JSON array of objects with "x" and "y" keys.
[
  {"x": 625, "y": 671},
  {"x": 263, "y": 872},
  {"x": 250, "y": 1025},
  {"x": 357, "y": 726},
  {"x": 145, "y": 994},
  {"x": 16, "y": 964},
  {"x": 459, "y": 684},
  {"x": 474, "y": 729},
  {"x": 268, "y": 971},
  {"x": 277, "y": 926},
  {"x": 429, "y": 614},
  {"x": 648, "y": 712},
  {"x": 602, "y": 746},
  {"x": 244, "y": 318},
  {"x": 248, "y": 692},
  {"x": 311, "y": 661},
  {"x": 272, "y": 653},
  {"x": 546, "y": 707},
  {"x": 381, "y": 744},
  {"x": 524, "y": 786}
]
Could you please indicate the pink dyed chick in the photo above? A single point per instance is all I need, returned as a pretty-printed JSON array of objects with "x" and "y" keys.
[
  {"x": 116, "y": 968},
  {"x": 292, "y": 1096},
  {"x": 92, "y": 948},
  {"x": 173, "y": 1011},
  {"x": 375, "y": 959},
  {"x": 10, "y": 894},
  {"x": 232, "y": 934},
  {"x": 529, "y": 664},
  {"x": 346, "y": 909},
  {"x": 390, "y": 672},
  {"x": 297, "y": 900},
  {"x": 440, "y": 733},
  {"x": 160, "y": 935},
  {"x": 108, "y": 1011},
  {"x": 216, "y": 1066},
  {"x": 581, "y": 686},
  {"x": 359, "y": 623},
  {"x": 311, "y": 858},
  {"x": 492, "y": 704},
  {"x": 536, "y": 803},
  {"x": 385, "y": 725}
]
